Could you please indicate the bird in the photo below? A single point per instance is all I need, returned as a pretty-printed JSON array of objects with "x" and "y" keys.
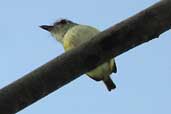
[{"x": 71, "y": 35}]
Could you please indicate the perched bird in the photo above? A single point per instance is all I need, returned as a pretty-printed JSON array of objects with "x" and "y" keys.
[{"x": 71, "y": 35}]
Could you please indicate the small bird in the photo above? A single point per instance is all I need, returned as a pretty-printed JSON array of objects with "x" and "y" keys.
[{"x": 71, "y": 35}]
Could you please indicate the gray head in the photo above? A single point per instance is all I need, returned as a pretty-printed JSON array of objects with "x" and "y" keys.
[{"x": 59, "y": 28}]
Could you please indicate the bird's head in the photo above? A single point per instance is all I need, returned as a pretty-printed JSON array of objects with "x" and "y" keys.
[{"x": 59, "y": 28}]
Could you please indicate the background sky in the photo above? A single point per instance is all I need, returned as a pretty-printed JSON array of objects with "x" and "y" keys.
[{"x": 143, "y": 78}]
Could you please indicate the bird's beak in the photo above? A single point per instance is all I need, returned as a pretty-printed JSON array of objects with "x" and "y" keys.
[{"x": 46, "y": 27}]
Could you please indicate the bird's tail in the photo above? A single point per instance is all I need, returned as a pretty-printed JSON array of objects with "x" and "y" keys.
[{"x": 109, "y": 83}]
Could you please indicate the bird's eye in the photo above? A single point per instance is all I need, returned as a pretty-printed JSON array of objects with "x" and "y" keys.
[{"x": 63, "y": 21}]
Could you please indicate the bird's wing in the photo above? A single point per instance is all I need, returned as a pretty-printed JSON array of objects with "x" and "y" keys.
[{"x": 114, "y": 67}]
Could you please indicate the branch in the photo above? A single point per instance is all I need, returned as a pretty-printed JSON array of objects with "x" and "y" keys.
[{"x": 110, "y": 43}]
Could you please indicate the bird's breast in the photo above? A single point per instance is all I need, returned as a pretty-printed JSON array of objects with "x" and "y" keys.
[{"x": 79, "y": 35}]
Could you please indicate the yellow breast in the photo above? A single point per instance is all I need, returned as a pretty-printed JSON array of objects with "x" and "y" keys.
[{"x": 79, "y": 35}]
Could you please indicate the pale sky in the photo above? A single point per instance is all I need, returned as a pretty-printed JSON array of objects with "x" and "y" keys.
[{"x": 143, "y": 78}]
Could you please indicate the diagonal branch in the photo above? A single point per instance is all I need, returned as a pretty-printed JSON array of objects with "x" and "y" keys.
[{"x": 112, "y": 42}]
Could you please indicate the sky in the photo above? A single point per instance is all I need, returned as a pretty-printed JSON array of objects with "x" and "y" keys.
[{"x": 143, "y": 78}]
